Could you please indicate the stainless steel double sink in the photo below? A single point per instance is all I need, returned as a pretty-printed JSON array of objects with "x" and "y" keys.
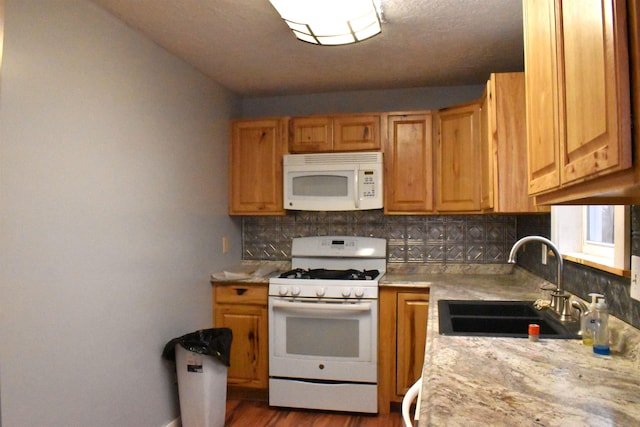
[{"x": 500, "y": 319}]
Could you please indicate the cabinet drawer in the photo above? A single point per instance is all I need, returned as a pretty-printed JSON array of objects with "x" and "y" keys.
[{"x": 241, "y": 293}]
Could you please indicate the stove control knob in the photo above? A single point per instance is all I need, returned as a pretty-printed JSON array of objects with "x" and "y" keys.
[
  {"x": 320, "y": 292},
  {"x": 346, "y": 292},
  {"x": 283, "y": 291},
  {"x": 359, "y": 292},
  {"x": 295, "y": 291}
]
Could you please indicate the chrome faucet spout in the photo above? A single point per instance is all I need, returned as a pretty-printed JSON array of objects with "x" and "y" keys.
[
  {"x": 559, "y": 301},
  {"x": 550, "y": 244}
]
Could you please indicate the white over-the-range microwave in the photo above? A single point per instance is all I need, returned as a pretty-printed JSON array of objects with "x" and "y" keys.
[{"x": 333, "y": 181}]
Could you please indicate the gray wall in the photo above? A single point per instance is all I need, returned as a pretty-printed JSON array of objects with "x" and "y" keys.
[
  {"x": 423, "y": 98},
  {"x": 113, "y": 202}
]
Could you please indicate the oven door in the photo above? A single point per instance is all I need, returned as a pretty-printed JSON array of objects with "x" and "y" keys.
[{"x": 325, "y": 339}]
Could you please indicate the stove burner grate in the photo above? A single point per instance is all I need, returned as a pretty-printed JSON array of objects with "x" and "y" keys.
[{"x": 322, "y": 273}]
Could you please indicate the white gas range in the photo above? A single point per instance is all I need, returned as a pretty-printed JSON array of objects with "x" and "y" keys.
[{"x": 323, "y": 325}]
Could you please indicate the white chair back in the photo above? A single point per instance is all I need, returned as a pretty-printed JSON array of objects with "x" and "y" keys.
[{"x": 408, "y": 399}]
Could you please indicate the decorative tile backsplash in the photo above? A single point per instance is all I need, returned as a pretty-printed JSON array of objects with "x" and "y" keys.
[
  {"x": 444, "y": 239},
  {"x": 411, "y": 239}
]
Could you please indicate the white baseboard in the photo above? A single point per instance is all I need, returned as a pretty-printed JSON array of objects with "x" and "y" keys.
[{"x": 174, "y": 423}]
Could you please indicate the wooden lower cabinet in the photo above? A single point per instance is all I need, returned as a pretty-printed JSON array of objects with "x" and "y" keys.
[
  {"x": 403, "y": 319},
  {"x": 242, "y": 307}
]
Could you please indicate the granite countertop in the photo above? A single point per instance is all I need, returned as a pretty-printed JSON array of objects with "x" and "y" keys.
[
  {"x": 512, "y": 381},
  {"x": 509, "y": 381}
]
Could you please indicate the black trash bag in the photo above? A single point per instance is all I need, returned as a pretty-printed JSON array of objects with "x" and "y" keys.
[{"x": 214, "y": 342}]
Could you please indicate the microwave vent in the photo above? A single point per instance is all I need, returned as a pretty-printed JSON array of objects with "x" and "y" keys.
[{"x": 333, "y": 158}]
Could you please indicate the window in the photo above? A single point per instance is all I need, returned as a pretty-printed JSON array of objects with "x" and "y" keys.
[
  {"x": 593, "y": 235},
  {"x": 598, "y": 231}
]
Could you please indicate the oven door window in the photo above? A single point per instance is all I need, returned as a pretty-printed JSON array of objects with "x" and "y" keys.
[
  {"x": 307, "y": 330},
  {"x": 323, "y": 337}
]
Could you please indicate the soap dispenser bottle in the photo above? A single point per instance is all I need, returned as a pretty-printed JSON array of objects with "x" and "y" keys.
[
  {"x": 601, "y": 331},
  {"x": 587, "y": 321}
]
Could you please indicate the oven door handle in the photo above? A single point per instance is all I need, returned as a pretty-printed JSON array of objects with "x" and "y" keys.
[{"x": 366, "y": 306}]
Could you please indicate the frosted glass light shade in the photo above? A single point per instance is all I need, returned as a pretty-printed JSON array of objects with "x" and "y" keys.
[{"x": 330, "y": 22}]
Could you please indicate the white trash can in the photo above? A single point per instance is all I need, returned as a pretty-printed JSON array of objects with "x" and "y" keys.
[{"x": 202, "y": 389}]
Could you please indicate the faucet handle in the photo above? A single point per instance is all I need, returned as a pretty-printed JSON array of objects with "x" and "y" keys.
[
  {"x": 564, "y": 309},
  {"x": 556, "y": 301}
]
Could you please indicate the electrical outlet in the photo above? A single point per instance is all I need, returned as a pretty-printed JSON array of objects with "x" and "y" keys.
[
  {"x": 545, "y": 254},
  {"x": 635, "y": 277},
  {"x": 225, "y": 245}
]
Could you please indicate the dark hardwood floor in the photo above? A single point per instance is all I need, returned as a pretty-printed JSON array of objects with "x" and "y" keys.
[{"x": 243, "y": 413}]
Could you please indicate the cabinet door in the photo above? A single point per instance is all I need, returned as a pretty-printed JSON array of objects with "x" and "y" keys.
[
  {"x": 402, "y": 338},
  {"x": 408, "y": 162},
  {"x": 310, "y": 134},
  {"x": 506, "y": 131},
  {"x": 413, "y": 313},
  {"x": 487, "y": 149},
  {"x": 249, "y": 349},
  {"x": 596, "y": 93},
  {"x": 577, "y": 82},
  {"x": 255, "y": 169},
  {"x": 356, "y": 133},
  {"x": 458, "y": 168},
  {"x": 543, "y": 109}
]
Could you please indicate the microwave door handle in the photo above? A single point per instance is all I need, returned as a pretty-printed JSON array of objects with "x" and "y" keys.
[
  {"x": 355, "y": 190},
  {"x": 322, "y": 306}
]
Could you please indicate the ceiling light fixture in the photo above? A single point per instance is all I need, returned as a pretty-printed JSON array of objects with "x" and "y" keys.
[{"x": 330, "y": 22}]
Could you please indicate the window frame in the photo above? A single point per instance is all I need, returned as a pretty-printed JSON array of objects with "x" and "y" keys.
[{"x": 568, "y": 235}]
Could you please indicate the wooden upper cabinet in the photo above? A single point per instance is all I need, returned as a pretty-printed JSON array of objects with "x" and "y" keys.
[
  {"x": 542, "y": 108},
  {"x": 310, "y": 134},
  {"x": 317, "y": 134},
  {"x": 356, "y": 133},
  {"x": 596, "y": 88},
  {"x": 488, "y": 161},
  {"x": 577, "y": 83},
  {"x": 255, "y": 168},
  {"x": 408, "y": 162},
  {"x": 504, "y": 146},
  {"x": 457, "y": 159}
]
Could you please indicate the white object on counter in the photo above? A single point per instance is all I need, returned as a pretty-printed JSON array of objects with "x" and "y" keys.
[{"x": 244, "y": 272}]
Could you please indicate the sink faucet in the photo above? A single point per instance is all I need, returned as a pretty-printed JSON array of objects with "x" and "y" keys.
[{"x": 559, "y": 299}]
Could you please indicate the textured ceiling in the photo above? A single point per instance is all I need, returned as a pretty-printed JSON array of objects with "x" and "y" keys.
[{"x": 246, "y": 47}]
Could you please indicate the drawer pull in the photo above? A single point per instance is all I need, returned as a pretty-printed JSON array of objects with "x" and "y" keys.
[{"x": 240, "y": 291}]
